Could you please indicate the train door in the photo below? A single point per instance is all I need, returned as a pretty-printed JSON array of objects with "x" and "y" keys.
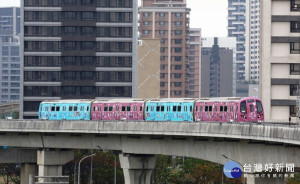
[
  {"x": 117, "y": 108},
  {"x": 141, "y": 111},
  {"x": 252, "y": 110},
  {"x": 134, "y": 111},
  {"x": 168, "y": 112}
]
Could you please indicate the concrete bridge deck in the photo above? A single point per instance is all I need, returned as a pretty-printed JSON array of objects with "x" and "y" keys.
[{"x": 269, "y": 132}]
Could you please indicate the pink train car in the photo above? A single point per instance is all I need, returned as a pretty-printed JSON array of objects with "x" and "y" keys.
[
  {"x": 229, "y": 109},
  {"x": 118, "y": 109}
]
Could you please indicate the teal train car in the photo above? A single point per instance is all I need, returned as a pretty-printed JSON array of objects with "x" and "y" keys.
[
  {"x": 65, "y": 110},
  {"x": 170, "y": 110}
]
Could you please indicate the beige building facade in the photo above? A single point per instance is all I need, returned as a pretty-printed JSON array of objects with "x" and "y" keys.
[
  {"x": 168, "y": 21},
  {"x": 148, "y": 68},
  {"x": 280, "y": 58},
  {"x": 195, "y": 63}
]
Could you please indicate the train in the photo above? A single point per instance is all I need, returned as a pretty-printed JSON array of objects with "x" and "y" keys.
[{"x": 231, "y": 109}]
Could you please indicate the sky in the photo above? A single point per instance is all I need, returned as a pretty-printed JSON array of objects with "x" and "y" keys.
[{"x": 210, "y": 15}]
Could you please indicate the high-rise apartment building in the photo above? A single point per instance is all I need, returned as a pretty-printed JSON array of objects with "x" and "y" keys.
[
  {"x": 236, "y": 28},
  {"x": 9, "y": 55},
  {"x": 195, "y": 63},
  {"x": 77, "y": 49},
  {"x": 280, "y": 58},
  {"x": 252, "y": 41},
  {"x": 169, "y": 21},
  {"x": 229, "y": 43},
  {"x": 216, "y": 71}
]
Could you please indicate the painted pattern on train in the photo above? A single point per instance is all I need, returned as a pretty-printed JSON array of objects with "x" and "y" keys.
[{"x": 229, "y": 109}]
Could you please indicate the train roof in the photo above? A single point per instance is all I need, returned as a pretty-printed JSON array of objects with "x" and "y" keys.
[
  {"x": 69, "y": 101},
  {"x": 172, "y": 100},
  {"x": 224, "y": 99},
  {"x": 119, "y": 100}
]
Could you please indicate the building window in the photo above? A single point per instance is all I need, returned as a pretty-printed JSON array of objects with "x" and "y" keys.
[
  {"x": 162, "y": 58},
  {"x": 177, "y": 49},
  {"x": 162, "y": 32},
  {"x": 178, "y": 32},
  {"x": 295, "y": 26},
  {"x": 177, "y": 67},
  {"x": 177, "y": 41},
  {"x": 146, "y": 23},
  {"x": 162, "y": 49},
  {"x": 293, "y": 110},
  {"x": 146, "y": 14},
  {"x": 294, "y": 90},
  {"x": 178, "y": 23},
  {"x": 162, "y": 41},
  {"x": 162, "y": 84},
  {"x": 177, "y": 14},
  {"x": 162, "y": 23},
  {"x": 145, "y": 32},
  {"x": 177, "y": 84},
  {"x": 177, "y": 58},
  {"x": 295, "y": 48},
  {"x": 177, "y": 75},
  {"x": 295, "y": 5},
  {"x": 295, "y": 69},
  {"x": 161, "y": 14}
]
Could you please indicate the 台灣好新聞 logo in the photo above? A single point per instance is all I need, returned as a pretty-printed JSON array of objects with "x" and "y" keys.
[{"x": 232, "y": 170}]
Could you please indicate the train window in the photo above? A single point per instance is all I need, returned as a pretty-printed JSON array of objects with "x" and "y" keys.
[
  {"x": 196, "y": 108},
  {"x": 251, "y": 108},
  {"x": 75, "y": 108},
  {"x": 147, "y": 108},
  {"x": 163, "y": 108},
  {"x": 221, "y": 108},
  {"x": 124, "y": 108},
  {"x": 191, "y": 109},
  {"x": 250, "y": 100},
  {"x": 128, "y": 108},
  {"x": 210, "y": 108},
  {"x": 225, "y": 108},
  {"x": 87, "y": 108},
  {"x": 206, "y": 108},
  {"x": 179, "y": 108},
  {"x": 110, "y": 108},
  {"x": 95, "y": 108},
  {"x": 53, "y": 108},
  {"x": 157, "y": 108},
  {"x": 259, "y": 106},
  {"x": 70, "y": 108},
  {"x": 105, "y": 108},
  {"x": 174, "y": 108},
  {"x": 141, "y": 108},
  {"x": 243, "y": 107},
  {"x": 57, "y": 108}
]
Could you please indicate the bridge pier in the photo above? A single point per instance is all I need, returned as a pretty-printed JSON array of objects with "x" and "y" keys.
[
  {"x": 26, "y": 170},
  {"x": 137, "y": 169},
  {"x": 251, "y": 179},
  {"x": 50, "y": 162}
]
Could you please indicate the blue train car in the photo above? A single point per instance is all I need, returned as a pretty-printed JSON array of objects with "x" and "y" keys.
[
  {"x": 169, "y": 110},
  {"x": 65, "y": 110}
]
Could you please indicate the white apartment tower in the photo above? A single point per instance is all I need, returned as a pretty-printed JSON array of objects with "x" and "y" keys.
[
  {"x": 252, "y": 41},
  {"x": 280, "y": 58}
]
